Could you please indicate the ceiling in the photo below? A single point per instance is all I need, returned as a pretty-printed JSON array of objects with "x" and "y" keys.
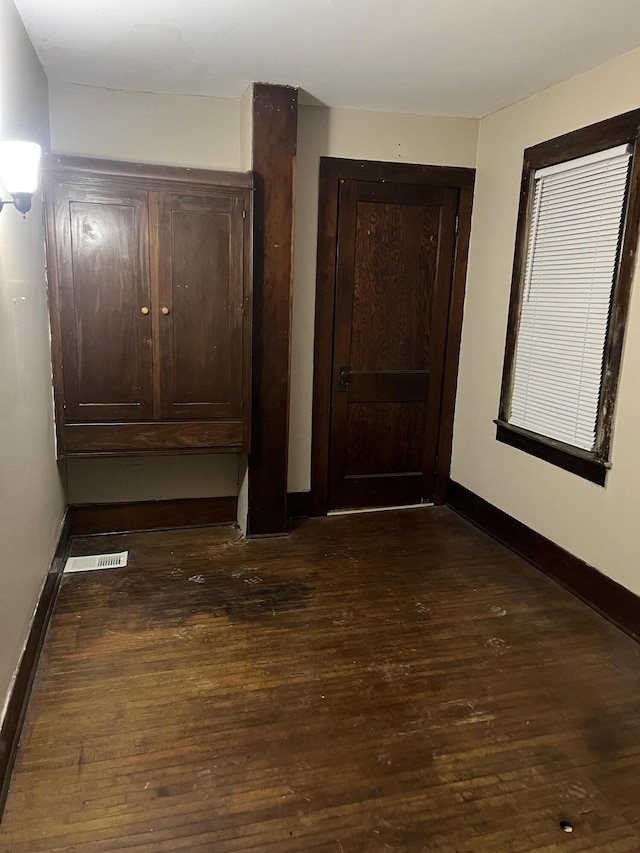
[{"x": 438, "y": 57}]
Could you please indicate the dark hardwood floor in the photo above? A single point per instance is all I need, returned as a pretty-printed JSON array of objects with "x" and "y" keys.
[{"x": 376, "y": 683}]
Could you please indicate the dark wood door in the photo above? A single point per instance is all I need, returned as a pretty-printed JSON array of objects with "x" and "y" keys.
[
  {"x": 201, "y": 307},
  {"x": 102, "y": 259},
  {"x": 393, "y": 282}
]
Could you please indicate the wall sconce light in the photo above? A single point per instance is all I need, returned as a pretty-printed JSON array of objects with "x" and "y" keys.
[{"x": 19, "y": 165}]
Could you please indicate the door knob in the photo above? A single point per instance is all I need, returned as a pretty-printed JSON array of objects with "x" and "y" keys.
[
  {"x": 165, "y": 310},
  {"x": 343, "y": 377},
  {"x": 144, "y": 310}
]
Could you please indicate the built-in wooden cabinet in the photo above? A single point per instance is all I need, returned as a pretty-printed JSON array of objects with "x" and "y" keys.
[{"x": 150, "y": 297}]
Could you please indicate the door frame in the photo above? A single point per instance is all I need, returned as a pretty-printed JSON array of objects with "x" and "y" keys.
[{"x": 332, "y": 171}]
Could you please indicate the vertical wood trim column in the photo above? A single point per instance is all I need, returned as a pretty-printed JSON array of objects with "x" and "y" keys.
[{"x": 275, "y": 127}]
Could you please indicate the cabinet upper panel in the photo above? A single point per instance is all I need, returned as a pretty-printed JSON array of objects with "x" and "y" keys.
[
  {"x": 201, "y": 294},
  {"x": 104, "y": 289}
]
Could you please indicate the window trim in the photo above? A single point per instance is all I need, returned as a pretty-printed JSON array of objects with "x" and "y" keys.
[{"x": 592, "y": 465}]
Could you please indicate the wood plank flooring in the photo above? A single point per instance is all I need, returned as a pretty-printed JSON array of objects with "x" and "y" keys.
[{"x": 376, "y": 683}]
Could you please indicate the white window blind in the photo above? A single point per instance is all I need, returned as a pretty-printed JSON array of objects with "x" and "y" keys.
[{"x": 572, "y": 252}]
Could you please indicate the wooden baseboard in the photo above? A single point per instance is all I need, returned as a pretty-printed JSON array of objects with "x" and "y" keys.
[
  {"x": 21, "y": 689},
  {"x": 610, "y": 599},
  {"x": 92, "y": 519},
  {"x": 298, "y": 504}
]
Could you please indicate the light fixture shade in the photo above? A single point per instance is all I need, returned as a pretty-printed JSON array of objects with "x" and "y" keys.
[{"x": 19, "y": 167}]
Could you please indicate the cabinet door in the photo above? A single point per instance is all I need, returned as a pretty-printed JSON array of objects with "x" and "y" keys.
[
  {"x": 102, "y": 264},
  {"x": 200, "y": 277}
]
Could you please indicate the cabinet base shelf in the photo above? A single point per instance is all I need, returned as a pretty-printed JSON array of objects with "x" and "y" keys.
[{"x": 137, "y": 437}]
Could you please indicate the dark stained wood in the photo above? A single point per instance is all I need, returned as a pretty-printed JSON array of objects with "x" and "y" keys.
[
  {"x": 16, "y": 709},
  {"x": 92, "y": 169},
  {"x": 386, "y": 489},
  {"x": 600, "y": 592},
  {"x": 391, "y": 386},
  {"x": 392, "y": 436},
  {"x": 102, "y": 257},
  {"x": 578, "y": 143},
  {"x": 393, "y": 281},
  {"x": 91, "y": 519},
  {"x": 150, "y": 300},
  {"x": 390, "y": 257},
  {"x": 200, "y": 288},
  {"x": 275, "y": 123},
  {"x": 328, "y": 190},
  {"x": 147, "y": 437},
  {"x": 621, "y": 129},
  {"x": 332, "y": 173},
  {"x": 452, "y": 345},
  {"x": 621, "y": 296},
  {"x": 519, "y": 259},
  {"x": 441, "y": 300},
  {"x": 402, "y": 173},
  {"x": 558, "y": 453},
  {"x": 53, "y": 300},
  {"x": 299, "y": 504},
  {"x": 387, "y": 681}
]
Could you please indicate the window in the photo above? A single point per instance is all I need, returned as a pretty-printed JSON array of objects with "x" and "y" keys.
[{"x": 575, "y": 247}]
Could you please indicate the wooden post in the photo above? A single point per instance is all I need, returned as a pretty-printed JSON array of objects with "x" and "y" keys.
[{"x": 275, "y": 126}]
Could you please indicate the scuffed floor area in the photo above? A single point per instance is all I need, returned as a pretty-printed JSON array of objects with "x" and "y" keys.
[{"x": 376, "y": 683}]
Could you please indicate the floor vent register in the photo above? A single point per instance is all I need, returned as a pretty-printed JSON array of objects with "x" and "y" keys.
[{"x": 94, "y": 562}]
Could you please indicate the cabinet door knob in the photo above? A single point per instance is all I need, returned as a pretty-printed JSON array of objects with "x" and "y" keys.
[
  {"x": 165, "y": 310},
  {"x": 144, "y": 310}
]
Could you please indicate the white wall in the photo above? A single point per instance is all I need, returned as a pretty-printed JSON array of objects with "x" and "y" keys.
[
  {"x": 140, "y": 478},
  {"x": 178, "y": 130},
  {"x": 599, "y": 525},
  {"x": 32, "y": 498},
  {"x": 360, "y": 135}
]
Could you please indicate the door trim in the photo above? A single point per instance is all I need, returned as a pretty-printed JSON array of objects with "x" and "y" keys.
[{"x": 332, "y": 171}]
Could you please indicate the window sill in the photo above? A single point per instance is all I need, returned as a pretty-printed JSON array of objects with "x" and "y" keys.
[{"x": 579, "y": 462}]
